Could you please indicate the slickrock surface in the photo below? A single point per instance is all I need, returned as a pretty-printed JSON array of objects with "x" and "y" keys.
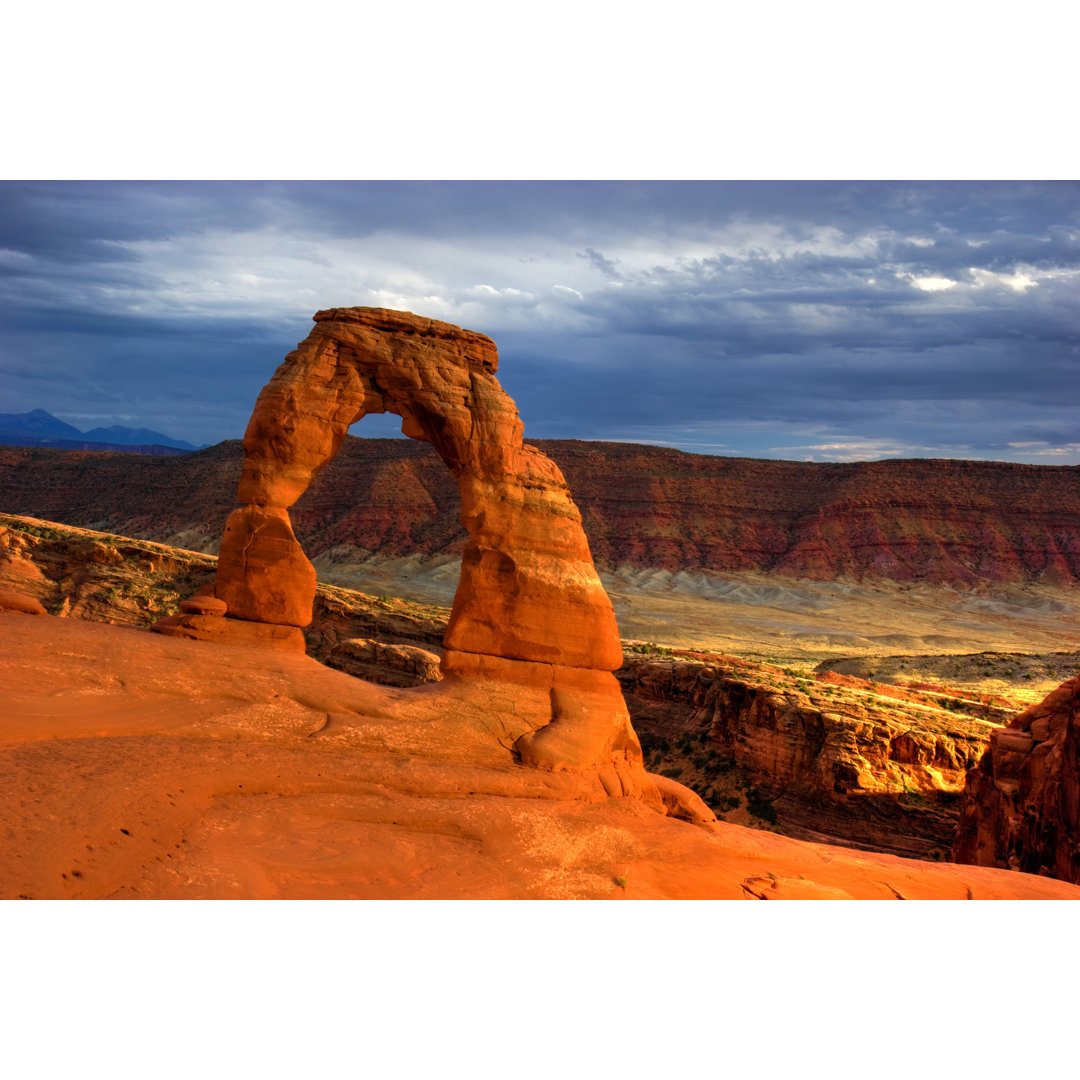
[
  {"x": 832, "y": 758},
  {"x": 1021, "y": 805},
  {"x": 137, "y": 765}
]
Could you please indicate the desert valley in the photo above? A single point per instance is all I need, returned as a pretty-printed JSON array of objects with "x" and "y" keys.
[{"x": 670, "y": 676}]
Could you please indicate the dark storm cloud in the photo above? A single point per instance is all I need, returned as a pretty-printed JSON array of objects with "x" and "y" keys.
[{"x": 767, "y": 318}]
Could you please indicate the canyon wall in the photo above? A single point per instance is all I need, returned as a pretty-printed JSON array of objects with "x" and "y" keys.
[{"x": 843, "y": 762}]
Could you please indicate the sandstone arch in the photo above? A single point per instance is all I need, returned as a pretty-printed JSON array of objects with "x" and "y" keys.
[
  {"x": 530, "y": 609},
  {"x": 528, "y": 588}
]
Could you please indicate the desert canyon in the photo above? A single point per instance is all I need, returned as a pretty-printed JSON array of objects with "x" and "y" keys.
[{"x": 832, "y": 681}]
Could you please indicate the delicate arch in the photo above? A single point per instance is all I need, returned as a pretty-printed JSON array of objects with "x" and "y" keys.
[
  {"x": 528, "y": 588},
  {"x": 529, "y": 611}
]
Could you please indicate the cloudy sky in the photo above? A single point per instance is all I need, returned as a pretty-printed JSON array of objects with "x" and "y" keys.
[{"x": 805, "y": 320}]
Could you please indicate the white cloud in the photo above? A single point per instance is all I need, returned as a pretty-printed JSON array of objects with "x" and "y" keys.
[
  {"x": 1044, "y": 449},
  {"x": 1018, "y": 281},
  {"x": 931, "y": 283},
  {"x": 867, "y": 450}
]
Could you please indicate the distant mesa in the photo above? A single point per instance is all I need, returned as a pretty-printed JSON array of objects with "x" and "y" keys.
[
  {"x": 529, "y": 612},
  {"x": 39, "y": 428},
  {"x": 940, "y": 522}
]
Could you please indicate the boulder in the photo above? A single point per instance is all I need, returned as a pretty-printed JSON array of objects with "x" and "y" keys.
[{"x": 202, "y": 604}]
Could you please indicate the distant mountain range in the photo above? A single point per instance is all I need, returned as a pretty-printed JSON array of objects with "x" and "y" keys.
[{"x": 39, "y": 428}]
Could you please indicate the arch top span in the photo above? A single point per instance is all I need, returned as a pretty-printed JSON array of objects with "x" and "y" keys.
[{"x": 478, "y": 349}]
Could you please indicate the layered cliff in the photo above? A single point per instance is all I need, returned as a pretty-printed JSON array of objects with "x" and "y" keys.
[{"x": 952, "y": 522}]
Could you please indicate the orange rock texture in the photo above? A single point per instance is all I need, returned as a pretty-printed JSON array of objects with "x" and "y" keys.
[
  {"x": 529, "y": 611},
  {"x": 1021, "y": 804}
]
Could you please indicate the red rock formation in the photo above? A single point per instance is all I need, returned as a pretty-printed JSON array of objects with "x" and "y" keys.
[
  {"x": 1021, "y": 807},
  {"x": 388, "y": 665},
  {"x": 530, "y": 610},
  {"x": 528, "y": 588}
]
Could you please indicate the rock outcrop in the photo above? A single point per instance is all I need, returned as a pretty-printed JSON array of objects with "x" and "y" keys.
[
  {"x": 387, "y": 665},
  {"x": 1021, "y": 807},
  {"x": 82, "y": 574},
  {"x": 16, "y": 601},
  {"x": 96, "y": 576},
  {"x": 529, "y": 611}
]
